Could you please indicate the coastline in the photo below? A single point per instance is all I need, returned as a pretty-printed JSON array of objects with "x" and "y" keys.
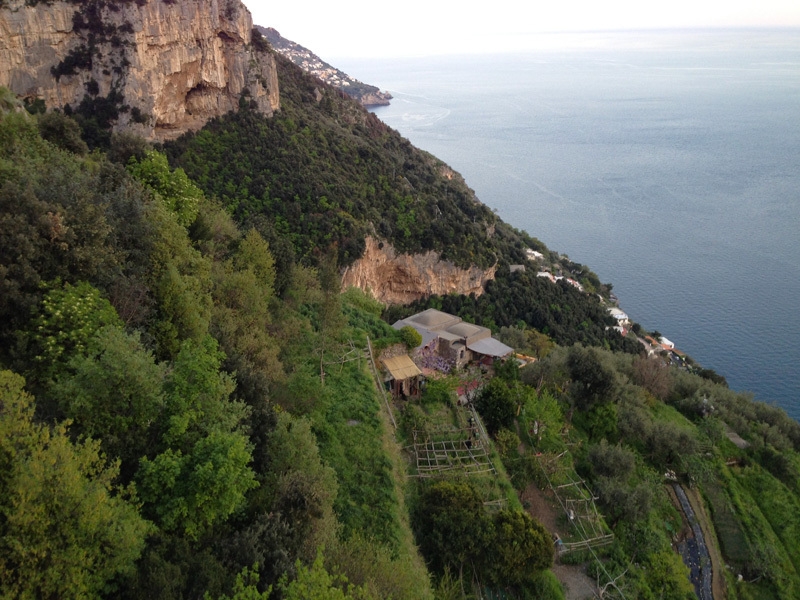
[{"x": 688, "y": 213}]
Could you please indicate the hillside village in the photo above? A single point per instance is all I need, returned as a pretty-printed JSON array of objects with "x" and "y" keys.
[
  {"x": 650, "y": 344},
  {"x": 367, "y": 95}
]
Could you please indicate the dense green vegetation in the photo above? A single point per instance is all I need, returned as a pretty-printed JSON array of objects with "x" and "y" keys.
[
  {"x": 165, "y": 431},
  {"x": 187, "y": 409},
  {"x": 633, "y": 423},
  {"x": 327, "y": 172}
]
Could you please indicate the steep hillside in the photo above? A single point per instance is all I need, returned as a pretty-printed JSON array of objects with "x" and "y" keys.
[
  {"x": 329, "y": 172},
  {"x": 330, "y": 178},
  {"x": 192, "y": 406}
]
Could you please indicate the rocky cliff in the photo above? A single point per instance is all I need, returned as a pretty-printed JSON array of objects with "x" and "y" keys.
[
  {"x": 402, "y": 278},
  {"x": 162, "y": 67},
  {"x": 376, "y": 98}
]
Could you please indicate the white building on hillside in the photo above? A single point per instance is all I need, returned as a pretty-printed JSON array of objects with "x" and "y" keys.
[
  {"x": 620, "y": 316},
  {"x": 533, "y": 254}
]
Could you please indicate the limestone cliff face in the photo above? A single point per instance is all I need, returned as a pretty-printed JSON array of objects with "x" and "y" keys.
[
  {"x": 402, "y": 278},
  {"x": 176, "y": 63}
]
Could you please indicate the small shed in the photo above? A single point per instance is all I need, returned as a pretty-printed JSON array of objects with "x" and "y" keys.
[{"x": 402, "y": 376}]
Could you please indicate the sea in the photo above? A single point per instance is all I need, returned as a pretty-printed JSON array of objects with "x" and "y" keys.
[{"x": 668, "y": 162}]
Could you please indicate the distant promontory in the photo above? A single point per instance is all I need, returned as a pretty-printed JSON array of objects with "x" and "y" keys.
[{"x": 365, "y": 94}]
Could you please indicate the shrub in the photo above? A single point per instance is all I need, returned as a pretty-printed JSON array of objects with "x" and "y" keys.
[{"x": 411, "y": 337}]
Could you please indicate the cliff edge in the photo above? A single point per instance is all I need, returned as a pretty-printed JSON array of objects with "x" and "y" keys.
[
  {"x": 160, "y": 68},
  {"x": 395, "y": 278}
]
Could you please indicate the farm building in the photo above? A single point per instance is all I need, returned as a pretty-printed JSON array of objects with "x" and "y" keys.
[
  {"x": 448, "y": 341},
  {"x": 403, "y": 377}
]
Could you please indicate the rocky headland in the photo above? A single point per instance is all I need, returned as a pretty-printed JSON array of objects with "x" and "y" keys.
[{"x": 365, "y": 94}]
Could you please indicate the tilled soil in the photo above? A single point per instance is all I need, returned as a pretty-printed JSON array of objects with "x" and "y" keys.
[{"x": 543, "y": 506}]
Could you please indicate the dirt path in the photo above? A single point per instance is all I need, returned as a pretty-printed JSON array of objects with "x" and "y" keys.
[
  {"x": 577, "y": 584},
  {"x": 543, "y": 506}
]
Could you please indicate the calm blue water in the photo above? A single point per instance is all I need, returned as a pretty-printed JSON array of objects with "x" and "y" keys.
[{"x": 668, "y": 163}]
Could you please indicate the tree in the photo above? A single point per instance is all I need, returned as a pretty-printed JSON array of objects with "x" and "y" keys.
[
  {"x": 245, "y": 588},
  {"x": 173, "y": 188},
  {"x": 201, "y": 472},
  {"x": 514, "y": 337},
  {"x": 190, "y": 492},
  {"x": 254, "y": 254},
  {"x": 410, "y": 336},
  {"x": 300, "y": 486},
  {"x": 653, "y": 375},
  {"x": 115, "y": 395},
  {"x": 125, "y": 146},
  {"x": 197, "y": 396},
  {"x": 496, "y": 405},
  {"x": 624, "y": 502},
  {"x": 62, "y": 131},
  {"x": 65, "y": 326},
  {"x": 599, "y": 422},
  {"x": 241, "y": 318},
  {"x": 592, "y": 382},
  {"x": 612, "y": 461},
  {"x": 451, "y": 526},
  {"x": 669, "y": 444},
  {"x": 520, "y": 549},
  {"x": 507, "y": 369},
  {"x": 316, "y": 583},
  {"x": 540, "y": 343},
  {"x": 180, "y": 279},
  {"x": 66, "y": 529},
  {"x": 52, "y": 221},
  {"x": 545, "y": 586},
  {"x": 612, "y": 470}
]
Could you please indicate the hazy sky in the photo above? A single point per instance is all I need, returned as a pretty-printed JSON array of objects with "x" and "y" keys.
[{"x": 362, "y": 28}]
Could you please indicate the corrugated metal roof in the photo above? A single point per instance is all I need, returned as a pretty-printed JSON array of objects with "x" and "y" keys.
[
  {"x": 401, "y": 367},
  {"x": 490, "y": 347}
]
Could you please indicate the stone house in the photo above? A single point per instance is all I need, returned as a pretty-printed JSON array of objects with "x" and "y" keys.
[{"x": 448, "y": 341}]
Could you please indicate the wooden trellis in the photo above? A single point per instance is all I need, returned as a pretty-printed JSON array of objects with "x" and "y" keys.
[
  {"x": 454, "y": 450},
  {"x": 578, "y": 503}
]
